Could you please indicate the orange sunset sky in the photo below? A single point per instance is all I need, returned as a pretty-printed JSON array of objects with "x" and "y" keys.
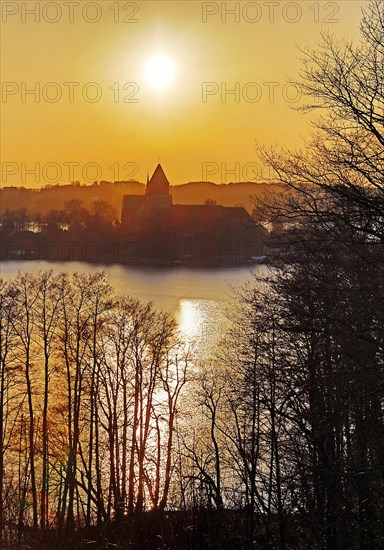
[{"x": 65, "y": 132}]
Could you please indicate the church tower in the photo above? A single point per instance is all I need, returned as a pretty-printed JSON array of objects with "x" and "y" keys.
[
  {"x": 152, "y": 209},
  {"x": 158, "y": 184}
]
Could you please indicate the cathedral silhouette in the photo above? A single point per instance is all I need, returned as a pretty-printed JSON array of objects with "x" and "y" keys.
[{"x": 204, "y": 233}]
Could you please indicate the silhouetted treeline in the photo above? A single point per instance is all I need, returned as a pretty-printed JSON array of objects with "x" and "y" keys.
[
  {"x": 73, "y": 233},
  {"x": 329, "y": 292},
  {"x": 90, "y": 386}
]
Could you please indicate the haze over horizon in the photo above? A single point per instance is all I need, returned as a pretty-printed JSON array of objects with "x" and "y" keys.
[{"x": 119, "y": 87}]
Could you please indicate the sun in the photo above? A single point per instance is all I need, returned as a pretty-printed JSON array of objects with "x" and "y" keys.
[{"x": 159, "y": 71}]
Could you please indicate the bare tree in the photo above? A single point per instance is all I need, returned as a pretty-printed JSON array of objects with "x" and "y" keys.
[
  {"x": 25, "y": 296},
  {"x": 344, "y": 157},
  {"x": 10, "y": 404},
  {"x": 45, "y": 311}
]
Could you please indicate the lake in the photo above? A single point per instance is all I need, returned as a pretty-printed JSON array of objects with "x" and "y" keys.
[{"x": 196, "y": 297}]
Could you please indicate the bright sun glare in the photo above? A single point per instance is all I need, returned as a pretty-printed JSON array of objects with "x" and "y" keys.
[{"x": 159, "y": 71}]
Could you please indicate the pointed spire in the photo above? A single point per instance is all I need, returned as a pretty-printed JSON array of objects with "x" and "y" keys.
[{"x": 158, "y": 184}]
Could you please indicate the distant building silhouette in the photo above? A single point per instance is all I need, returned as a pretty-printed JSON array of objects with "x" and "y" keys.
[{"x": 207, "y": 233}]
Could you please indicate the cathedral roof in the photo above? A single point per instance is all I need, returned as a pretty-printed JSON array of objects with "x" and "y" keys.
[{"x": 158, "y": 184}]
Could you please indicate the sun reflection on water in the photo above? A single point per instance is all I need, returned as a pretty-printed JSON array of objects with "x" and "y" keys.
[{"x": 202, "y": 321}]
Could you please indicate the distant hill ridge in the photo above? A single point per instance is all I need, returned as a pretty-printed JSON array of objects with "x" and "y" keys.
[{"x": 54, "y": 197}]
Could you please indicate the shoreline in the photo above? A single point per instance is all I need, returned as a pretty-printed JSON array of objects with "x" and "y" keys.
[{"x": 139, "y": 262}]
